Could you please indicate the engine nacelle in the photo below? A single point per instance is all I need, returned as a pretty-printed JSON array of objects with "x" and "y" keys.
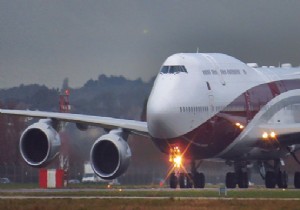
[
  {"x": 39, "y": 143},
  {"x": 110, "y": 155}
]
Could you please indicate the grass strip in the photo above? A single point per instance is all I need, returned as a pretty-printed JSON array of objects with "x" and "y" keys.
[
  {"x": 235, "y": 193},
  {"x": 142, "y": 204}
]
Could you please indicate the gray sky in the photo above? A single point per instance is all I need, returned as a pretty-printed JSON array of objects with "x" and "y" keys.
[{"x": 45, "y": 41}]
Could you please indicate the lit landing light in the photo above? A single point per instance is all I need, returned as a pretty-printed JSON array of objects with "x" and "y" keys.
[
  {"x": 267, "y": 136},
  {"x": 273, "y": 135},
  {"x": 239, "y": 125},
  {"x": 177, "y": 161},
  {"x": 175, "y": 157}
]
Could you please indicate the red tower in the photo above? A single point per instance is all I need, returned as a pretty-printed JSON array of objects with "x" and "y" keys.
[
  {"x": 58, "y": 177},
  {"x": 64, "y": 103},
  {"x": 64, "y": 107}
]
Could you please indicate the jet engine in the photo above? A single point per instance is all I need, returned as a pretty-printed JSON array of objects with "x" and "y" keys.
[
  {"x": 40, "y": 143},
  {"x": 110, "y": 155}
]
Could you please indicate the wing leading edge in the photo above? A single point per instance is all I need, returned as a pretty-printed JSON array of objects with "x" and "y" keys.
[{"x": 104, "y": 122}]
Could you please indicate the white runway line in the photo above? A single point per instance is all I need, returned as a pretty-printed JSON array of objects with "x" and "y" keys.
[{"x": 142, "y": 198}]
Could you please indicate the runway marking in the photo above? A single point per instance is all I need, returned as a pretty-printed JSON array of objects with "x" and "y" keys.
[
  {"x": 159, "y": 194},
  {"x": 142, "y": 198}
]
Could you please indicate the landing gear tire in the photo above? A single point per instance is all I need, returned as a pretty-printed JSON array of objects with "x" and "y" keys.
[
  {"x": 243, "y": 181},
  {"x": 199, "y": 180},
  {"x": 230, "y": 180},
  {"x": 173, "y": 181},
  {"x": 182, "y": 180},
  {"x": 297, "y": 180},
  {"x": 282, "y": 179},
  {"x": 185, "y": 180},
  {"x": 270, "y": 179},
  {"x": 189, "y": 180}
]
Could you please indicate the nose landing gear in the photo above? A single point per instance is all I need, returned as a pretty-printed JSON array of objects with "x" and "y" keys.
[
  {"x": 180, "y": 176},
  {"x": 187, "y": 180}
]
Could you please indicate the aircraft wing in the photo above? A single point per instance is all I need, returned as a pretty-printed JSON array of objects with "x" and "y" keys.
[{"x": 104, "y": 122}]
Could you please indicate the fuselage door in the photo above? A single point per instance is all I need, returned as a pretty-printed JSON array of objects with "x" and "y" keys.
[
  {"x": 211, "y": 104},
  {"x": 215, "y": 66}
]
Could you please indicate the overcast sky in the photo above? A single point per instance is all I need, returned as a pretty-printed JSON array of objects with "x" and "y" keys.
[{"x": 45, "y": 41}]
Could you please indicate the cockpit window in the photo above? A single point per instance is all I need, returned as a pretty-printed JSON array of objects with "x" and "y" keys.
[
  {"x": 172, "y": 69},
  {"x": 164, "y": 69}
]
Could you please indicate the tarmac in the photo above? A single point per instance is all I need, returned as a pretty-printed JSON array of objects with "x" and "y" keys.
[{"x": 7, "y": 194}]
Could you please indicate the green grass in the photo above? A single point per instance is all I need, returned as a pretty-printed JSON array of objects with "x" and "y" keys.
[
  {"x": 19, "y": 186},
  {"x": 140, "y": 204},
  {"x": 264, "y": 193},
  {"x": 175, "y": 199}
]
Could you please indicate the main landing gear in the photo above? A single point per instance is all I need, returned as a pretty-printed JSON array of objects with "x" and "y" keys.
[
  {"x": 273, "y": 175},
  {"x": 238, "y": 177},
  {"x": 297, "y": 174},
  {"x": 297, "y": 180}
]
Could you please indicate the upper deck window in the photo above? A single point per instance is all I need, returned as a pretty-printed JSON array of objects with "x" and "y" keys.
[
  {"x": 206, "y": 72},
  {"x": 172, "y": 69}
]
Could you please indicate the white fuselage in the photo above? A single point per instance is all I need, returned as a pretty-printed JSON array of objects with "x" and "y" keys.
[{"x": 195, "y": 104}]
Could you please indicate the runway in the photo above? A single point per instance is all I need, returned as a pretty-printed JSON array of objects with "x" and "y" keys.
[
  {"x": 151, "y": 194},
  {"x": 141, "y": 198}
]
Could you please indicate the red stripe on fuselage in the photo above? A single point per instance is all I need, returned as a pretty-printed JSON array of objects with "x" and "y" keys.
[{"x": 274, "y": 89}]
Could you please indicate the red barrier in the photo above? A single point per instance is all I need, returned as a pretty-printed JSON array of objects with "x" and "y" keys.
[
  {"x": 43, "y": 178},
  {"x": 51, "y": 178}
]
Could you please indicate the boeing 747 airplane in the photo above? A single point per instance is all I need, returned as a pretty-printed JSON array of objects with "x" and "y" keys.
[{"x": 202, "y": 106}]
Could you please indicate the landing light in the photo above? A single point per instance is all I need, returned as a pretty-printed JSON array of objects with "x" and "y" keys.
[
  {"x": 273, "y": 134},
  {"x": 175, "y": 157},
  {"x": 265, "y": 135},
  {"x": 239, "y": 125},
  {"x": 177, "y": 161}
]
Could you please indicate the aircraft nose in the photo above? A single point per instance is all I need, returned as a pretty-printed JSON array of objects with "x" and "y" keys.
[
  {"x": 159, "y": 119},
  {"x": 155, "y": 119},
  {"x": 163, "y": 117}
]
